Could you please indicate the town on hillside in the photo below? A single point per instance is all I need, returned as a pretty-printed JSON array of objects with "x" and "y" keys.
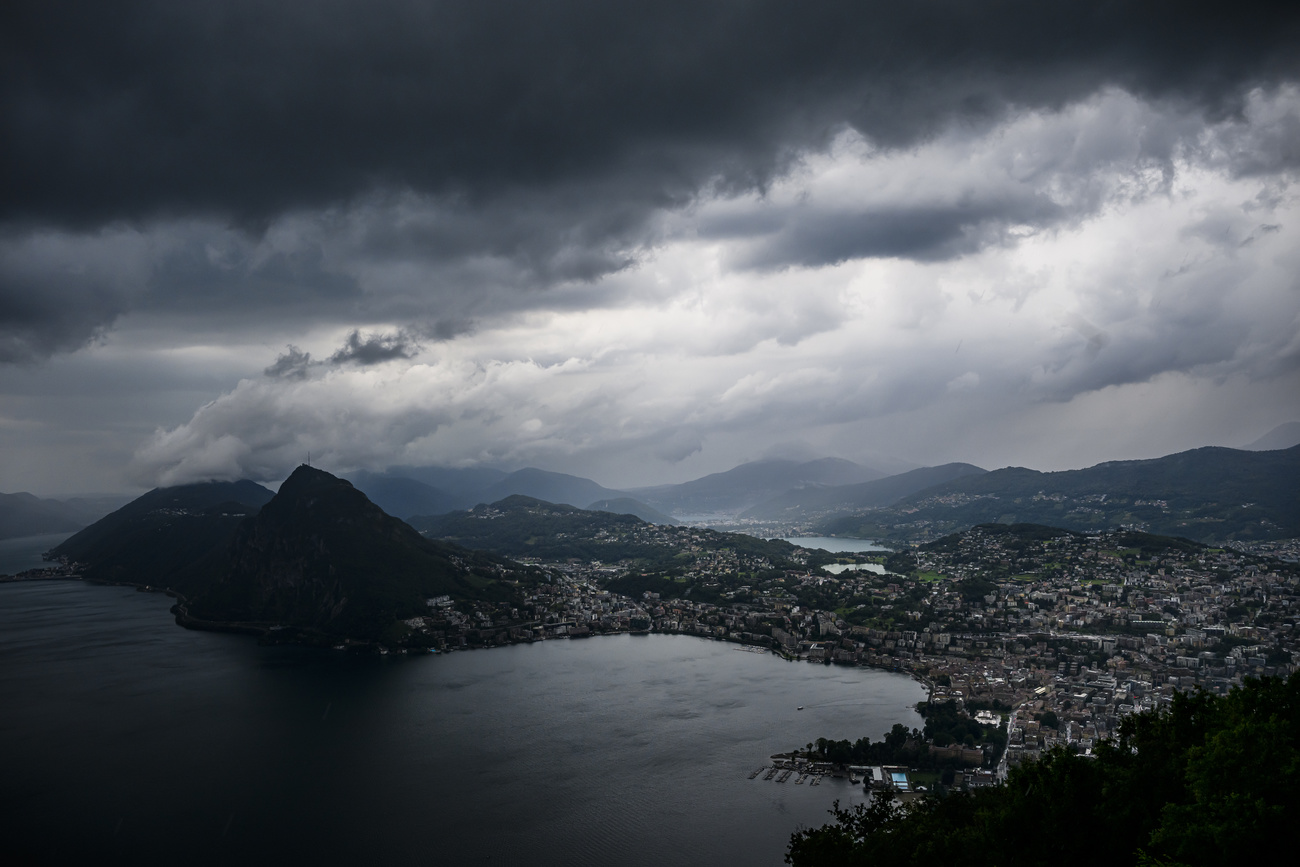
[{"x": 1051, "y": 636}]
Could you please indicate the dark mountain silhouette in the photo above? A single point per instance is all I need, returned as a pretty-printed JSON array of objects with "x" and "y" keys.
[
  {"x": 322, "y": 558},
  {"x": 796, "y": 504},
  {"x": 410, "y": 491},
  {"x": 166, "y": 536},
  {"x": 1208, "y": 494}
]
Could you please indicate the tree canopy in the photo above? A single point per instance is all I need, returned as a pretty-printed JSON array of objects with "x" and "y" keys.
[{"x": 1199, "y": 782}]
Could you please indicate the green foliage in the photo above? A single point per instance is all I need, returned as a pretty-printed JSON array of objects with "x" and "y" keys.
[
  {"x": 1201, "y": 782},
  {"x": 945, "y": 724},
  {"x": 635, "y": 584},
  {"x": 521, "y": 526},
  {"x": 900, "y": 747},
  {"x": 901, "y": 562}
]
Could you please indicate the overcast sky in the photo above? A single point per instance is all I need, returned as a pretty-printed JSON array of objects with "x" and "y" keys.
[{"x": 640, "y": 241}]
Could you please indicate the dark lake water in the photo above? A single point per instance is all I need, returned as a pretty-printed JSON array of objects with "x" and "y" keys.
[
  {"x": 23, "y": 553},
  {"x": 126, "y": 739},
  {"x": 834, "y": 544}
]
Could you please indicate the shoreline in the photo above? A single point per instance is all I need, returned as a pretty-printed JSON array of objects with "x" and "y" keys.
[{"x": 272, "y": 634}]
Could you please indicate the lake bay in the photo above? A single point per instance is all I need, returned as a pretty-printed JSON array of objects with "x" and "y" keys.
[{"x": 126, "y": 739}]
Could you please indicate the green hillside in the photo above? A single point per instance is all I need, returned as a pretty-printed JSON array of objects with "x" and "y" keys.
[{"x": 521, "y": 526}]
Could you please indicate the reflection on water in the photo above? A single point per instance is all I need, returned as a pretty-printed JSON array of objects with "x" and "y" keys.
[
  {"x": 126, "y": 739},
  {"x": 834, "y": 544},
  {"x": 837, "y": 568}
]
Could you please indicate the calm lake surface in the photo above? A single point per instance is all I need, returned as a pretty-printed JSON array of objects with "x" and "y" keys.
[
  {"x": 23, "y": 553},
  {"x": 126, "y": 739},
  {"x": 834, "y": 544},
  {"x": 837, "y": 568}
]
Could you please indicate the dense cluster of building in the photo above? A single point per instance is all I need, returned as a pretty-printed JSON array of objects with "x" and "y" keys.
[{"x": 1062, "y": 635}]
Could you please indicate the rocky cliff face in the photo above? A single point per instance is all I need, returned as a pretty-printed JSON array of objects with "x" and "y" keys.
[{"x": 321, "y": 556}]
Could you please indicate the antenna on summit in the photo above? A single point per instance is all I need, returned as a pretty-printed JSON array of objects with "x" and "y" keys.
[{"x": 309, "y": 458}]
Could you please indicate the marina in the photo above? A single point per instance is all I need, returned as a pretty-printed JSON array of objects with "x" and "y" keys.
[{"x": 786, "y": 765}]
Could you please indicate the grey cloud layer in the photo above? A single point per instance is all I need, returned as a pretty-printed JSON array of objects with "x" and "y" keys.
[
  {"x": 518, "y": 231},
  {"x": 436, "y": 163}
]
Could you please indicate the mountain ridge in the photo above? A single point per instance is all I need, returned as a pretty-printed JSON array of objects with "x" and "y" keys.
[
  {"x": 877, "y": 492},
  {"x": 746, "y": 485},
  {"x": 316, "y": 560},
  {"x": 321, "y": 557},
  {"x": 1211, "y": 494},
  {"x": 165, "y": 536},
  {"x": 25, "y": 514}
]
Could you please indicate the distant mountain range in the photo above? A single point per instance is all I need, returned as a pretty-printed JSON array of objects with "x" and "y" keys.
[
  {"x": 24, "y": 514},
  {"x": 801, "y": 503},
  {"x": 1209, "y": 495},
  {"x": 410, "y": 491},
  {"x": 321, "y": 558},
  {"x": 421, "y": 491},
  {"x": 1206, "y": 494},
  {"x": 750, "y": 484},
  {"x": 1284, "y": 436},
  {"x": 629, "y": 506}
]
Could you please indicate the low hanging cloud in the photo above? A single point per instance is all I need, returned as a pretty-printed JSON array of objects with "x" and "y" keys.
[
  {"x": 375, "y": 348},
  {"x": 293, "y": 364},
  {"x": 651, "y": 385}
]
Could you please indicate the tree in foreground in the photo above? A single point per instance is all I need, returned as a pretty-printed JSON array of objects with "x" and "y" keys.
[{"x": 1200, "y": 782}]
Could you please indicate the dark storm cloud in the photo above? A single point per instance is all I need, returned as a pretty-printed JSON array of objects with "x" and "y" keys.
[
  {"x": 293, "y": 364},
  {"x": 41, "y": 317},
  {"x": 248, "y": 110},
  {"x": 235, "y": 164},
  {"x": 55, "y": 294},
  {"x": 370, "y": 349},
  {"x": 59, "y": 289}
]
